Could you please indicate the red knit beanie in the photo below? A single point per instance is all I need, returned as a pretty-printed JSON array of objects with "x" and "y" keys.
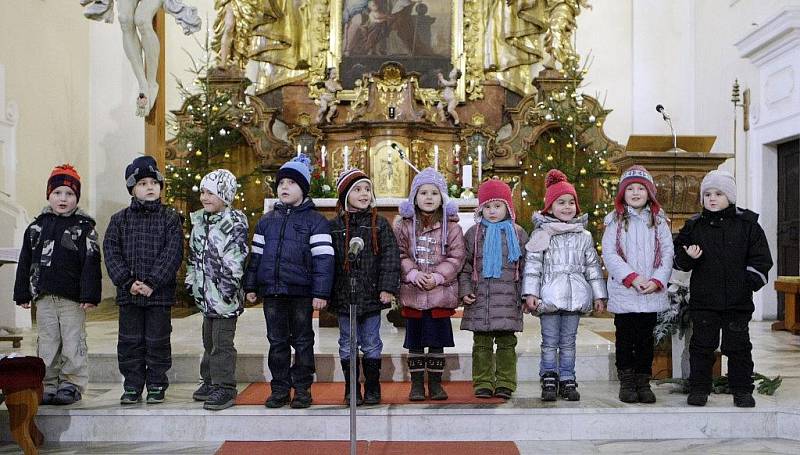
[
  {"x": 496, "y": 190},
  {"x": 556, "y": 185},
  {"x": 64, "y": 175},
  {"x": 636, "y": 174}
]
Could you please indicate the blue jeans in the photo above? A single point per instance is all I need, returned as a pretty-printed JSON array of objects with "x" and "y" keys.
[
  {"x": 368, "y": 335},
  {"x": 559, "y": 331},
  {"x": 289, "y": 327}
]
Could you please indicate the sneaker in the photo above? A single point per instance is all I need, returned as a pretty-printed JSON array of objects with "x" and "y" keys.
[
  {"x": 743, "y": 400},
  {"x": 67, "y": 395},
  {"x": 302, "y": 399},
  {"x": 47, "y": 398},
  {"x": 202, "y": 392},
  {"x": 130, "y": 396},
  {"x": 483, "y": 393},
  {"x": 549, "y": 386},
  {"x": 277, "y": 400},
  {"x": 155, "y": 394},
  {"x": 697, "y": 398},
  {"x": 569, "y": 390},
  {"x": 503, "y": 392},
  {"x": 220, "y": 398}
]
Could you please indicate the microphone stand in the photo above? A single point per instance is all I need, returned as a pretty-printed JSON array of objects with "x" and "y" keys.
[{"x": 354, "y": 266}]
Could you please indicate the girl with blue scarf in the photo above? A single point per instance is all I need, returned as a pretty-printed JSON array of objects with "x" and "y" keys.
[{"x": 490, "y": 289}]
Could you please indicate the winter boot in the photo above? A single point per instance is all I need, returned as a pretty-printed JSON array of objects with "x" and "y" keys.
[
  {"x": 346, "y": 371},
  {"x": 416, "y": 366},
  {"x": 435, "y": 365},
  {"x": 643, "y": 391},
  {"x": 744, "y": 400},
  {"x": 372, "y": 380},
  {"x": 697, "y": 398},
  {"x": 627, "y": 386},
  {"x": 549, "y": 386},
  {"x": 569, "y": 390}
]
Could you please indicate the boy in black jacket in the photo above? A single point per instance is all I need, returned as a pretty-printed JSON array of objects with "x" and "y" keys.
[
  {"x": 291, "y": 268},
  {"x": 377, "y": 279},
  {"x": 144, "y": 248},
  {"x": 59, "y": 271},
  {"x": 727, "y": 252}
]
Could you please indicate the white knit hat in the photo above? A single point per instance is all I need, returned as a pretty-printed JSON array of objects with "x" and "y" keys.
[
  {"x": 722, "y": 181},
  {"x": 222, "y": 183}
]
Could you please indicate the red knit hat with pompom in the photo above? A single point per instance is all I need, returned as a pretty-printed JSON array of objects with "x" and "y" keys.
[
  {"x": 64, "y": 175},
  {"x": 556, "y": 185}
]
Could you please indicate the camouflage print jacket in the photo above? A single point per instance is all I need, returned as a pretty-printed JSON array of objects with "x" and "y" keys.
[
  {"x": 59, "y": 256},
  {"x": 217, "y": 254}
]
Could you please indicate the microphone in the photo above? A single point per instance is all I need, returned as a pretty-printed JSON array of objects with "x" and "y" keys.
[
  {"x": 660, "y": 109},
  {"x": 396, "y": 147},
  {"x": 356, "y": 245}
]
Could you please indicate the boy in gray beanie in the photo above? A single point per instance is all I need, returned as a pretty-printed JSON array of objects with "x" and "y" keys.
[{"x": 727, "y": 252}]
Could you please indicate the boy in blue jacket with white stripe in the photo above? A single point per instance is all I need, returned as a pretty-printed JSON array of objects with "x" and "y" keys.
[{"x": 291, "y": 268}]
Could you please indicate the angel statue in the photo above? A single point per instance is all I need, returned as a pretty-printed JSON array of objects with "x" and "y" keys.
[
  {"x": 140, "y": 40},
  {"x": 558, "y": 41},
  {"x": 232, "y": 30},
  {"x": 327, "y": 97},
  {"x": 449, "y": 95}
]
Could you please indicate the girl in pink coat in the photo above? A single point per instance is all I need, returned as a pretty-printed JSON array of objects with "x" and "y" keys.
[{"x": 432, "y": 252}]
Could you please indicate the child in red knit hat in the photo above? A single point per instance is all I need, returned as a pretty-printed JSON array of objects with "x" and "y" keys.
[
  {"x": 637, "y": 251},
  {"x": 563, "y": 279},
  {"x": 59, "y": 272},
  {"x": 489, "y": 288}
]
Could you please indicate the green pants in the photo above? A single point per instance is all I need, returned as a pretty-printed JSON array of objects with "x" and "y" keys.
[{"x": 490, "y": 370}]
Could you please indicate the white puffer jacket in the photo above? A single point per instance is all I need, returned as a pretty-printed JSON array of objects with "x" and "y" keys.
[{"x": 638, "y": 245}]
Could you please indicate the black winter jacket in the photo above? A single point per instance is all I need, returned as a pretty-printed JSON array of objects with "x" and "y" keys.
[
  {"x": 59, "y": 256},
  {"x": 291, "y": 253},
  {"x": 374, "y": 273},
  {"x": 735, "y": 261},
  {"x": 144, "y": 242}
]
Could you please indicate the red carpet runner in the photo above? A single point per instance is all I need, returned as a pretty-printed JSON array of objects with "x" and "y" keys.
[
  {"x": 367, "y": 448},
  {"x": 332, "y": 393}
]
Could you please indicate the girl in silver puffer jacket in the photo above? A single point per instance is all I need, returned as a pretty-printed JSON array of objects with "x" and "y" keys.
[{"x": 563, "y": 279}]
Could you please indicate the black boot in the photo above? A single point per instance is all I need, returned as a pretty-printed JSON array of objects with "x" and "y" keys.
[
  {"x": 569, "y": 390},
  {"x": 372, "y": 380},
  {"x": 549, "y": 386},
  {"x": 416, "y": 366},
  {"x": 627, "y": 386},
  {"x": 346, "y": 371},
  {"x": 435, "y": 366},
  {"x": 643, "y": 391}
]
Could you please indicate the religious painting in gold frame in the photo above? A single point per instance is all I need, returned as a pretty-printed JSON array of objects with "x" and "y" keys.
[
  {"x": 390, "y": 175},
  {"x": 425, "y": 36}
]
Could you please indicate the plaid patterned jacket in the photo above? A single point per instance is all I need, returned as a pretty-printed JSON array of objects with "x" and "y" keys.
[{"x": 144, "y": 242}]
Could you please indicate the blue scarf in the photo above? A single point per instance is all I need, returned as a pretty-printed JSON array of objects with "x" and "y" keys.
[{"x": 493, "y": 248}]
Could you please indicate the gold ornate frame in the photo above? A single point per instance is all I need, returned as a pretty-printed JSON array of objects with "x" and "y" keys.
[{"x": 334, "y": 58}]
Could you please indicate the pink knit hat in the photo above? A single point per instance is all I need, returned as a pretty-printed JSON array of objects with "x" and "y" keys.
[
  {"x": 636, "y": 174},
  {"x": 556, "y": 185}
]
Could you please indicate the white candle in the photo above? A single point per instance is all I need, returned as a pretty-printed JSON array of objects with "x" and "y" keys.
[
  {"x": 436, "y": 157},
  {"x": 480, "y": 164},
  {"x": 466, "y": 177},
  {"x": 346, "y": 158},
  {"x": 323, "y": 151},
  {"x": 299, "y": 149}
]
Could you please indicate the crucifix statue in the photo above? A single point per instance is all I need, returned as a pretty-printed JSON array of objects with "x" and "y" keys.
[{"x": 139, "y": 40}]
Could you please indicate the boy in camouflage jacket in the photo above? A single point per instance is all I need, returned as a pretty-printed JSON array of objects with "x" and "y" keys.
[{"x": 217, "y": 254}]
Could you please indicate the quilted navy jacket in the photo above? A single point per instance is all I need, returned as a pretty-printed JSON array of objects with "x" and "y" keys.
[{"x": 291, "y": 254}]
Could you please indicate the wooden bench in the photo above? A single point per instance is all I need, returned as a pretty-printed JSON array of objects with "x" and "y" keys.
[{"x": 790, "y": 287}]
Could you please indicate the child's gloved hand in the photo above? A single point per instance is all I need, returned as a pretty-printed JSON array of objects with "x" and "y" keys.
[
  {"x": 319, "y": 304},
  {"x": 693, "y": 251},
  {"x": 251, "y": 297},
  {"x": 468, "y": 299},
  {"x": 386, "y": 297}
]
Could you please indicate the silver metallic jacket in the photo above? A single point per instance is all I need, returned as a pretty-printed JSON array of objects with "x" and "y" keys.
[{"x": 567, "y": 276}]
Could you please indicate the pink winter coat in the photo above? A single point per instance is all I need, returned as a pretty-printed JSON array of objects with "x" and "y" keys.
[{"x": 430, "y": 258}]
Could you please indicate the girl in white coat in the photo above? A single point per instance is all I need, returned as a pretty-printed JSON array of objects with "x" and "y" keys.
[{"x": 637, "y": 252}]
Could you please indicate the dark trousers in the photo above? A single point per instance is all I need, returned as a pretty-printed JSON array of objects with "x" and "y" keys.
[
  {"x": 289, "y": 326},
  {"x": 144, "y": 351},
  {"x": 218, "y": 366},
  {"x": 634, "y": 341},
  {"x": 736, "y": 346}
]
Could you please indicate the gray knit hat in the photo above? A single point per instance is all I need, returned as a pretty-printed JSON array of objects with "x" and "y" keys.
[
  {"x": 722, "y": 181},
  {"x": 222, "y": 183}
]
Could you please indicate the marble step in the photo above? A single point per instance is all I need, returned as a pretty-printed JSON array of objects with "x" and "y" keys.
[
  {"x": 598, "y": 416},
  {"x": 591, "y": 365}
]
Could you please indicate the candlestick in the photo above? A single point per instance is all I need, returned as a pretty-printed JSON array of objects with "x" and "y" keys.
[{"x": 436, "y": 157}]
